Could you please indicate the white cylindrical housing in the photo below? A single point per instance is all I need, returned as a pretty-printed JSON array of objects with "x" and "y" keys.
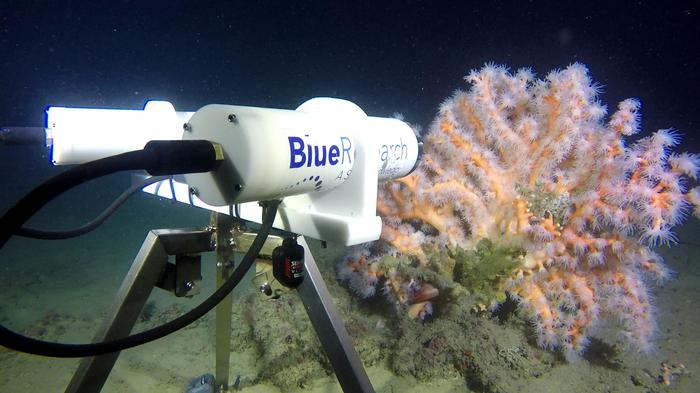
[
  {"x": 396, "y": 142},
  {"x": 78, "y": 135},
  {"x": 270, "y": 153},
  {"x": 398, "y": 146}
]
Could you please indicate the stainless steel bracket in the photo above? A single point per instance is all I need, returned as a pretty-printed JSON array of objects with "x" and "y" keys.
[{"x": 147, "y": 270}]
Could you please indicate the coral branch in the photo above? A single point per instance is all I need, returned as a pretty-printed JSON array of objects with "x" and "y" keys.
[{"x": 532, "y": 165}]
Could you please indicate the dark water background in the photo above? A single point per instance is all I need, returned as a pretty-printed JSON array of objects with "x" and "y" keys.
[
  {"x": 386, "y": 56},
  {"x": 393, "y": 56}
]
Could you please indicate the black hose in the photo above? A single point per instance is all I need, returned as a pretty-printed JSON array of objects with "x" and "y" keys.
[
  {"x": 158, "y": 157},
  {"x": 26, "y": 344},
  {"x": 44, "y": 234},
  {"x": 57, "y": 185}
]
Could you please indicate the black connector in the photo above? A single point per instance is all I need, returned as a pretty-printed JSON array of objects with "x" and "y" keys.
[
  {"x": 12, "y": 136},
  {"x": 177, "y": 157}
]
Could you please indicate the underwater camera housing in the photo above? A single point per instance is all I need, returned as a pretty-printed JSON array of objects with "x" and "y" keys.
[
  {"x": 324, "y": 159},
  {"x": 312, "y": 171}
]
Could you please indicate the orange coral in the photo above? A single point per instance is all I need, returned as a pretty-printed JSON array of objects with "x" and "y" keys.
[{"x": 531, "y": 164}]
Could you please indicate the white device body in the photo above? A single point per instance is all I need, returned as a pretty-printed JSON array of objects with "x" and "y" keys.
[
  {"x": 323, "y": 159},
  {"x": 270, "y": 153},
  {"x": 78, "y": 135}
]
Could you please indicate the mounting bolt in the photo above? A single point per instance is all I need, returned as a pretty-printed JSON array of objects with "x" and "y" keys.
[
  {"x": 187, "y": 127},
  {"x": 238, "y": 187},
  {"x": 194, "y": 191},
  {"x": 265, "y": 289},
  {"x": 232, "y": 118},
  {"x": 189, "y": 285}
]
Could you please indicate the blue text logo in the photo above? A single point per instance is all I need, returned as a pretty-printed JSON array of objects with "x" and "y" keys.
[{"x": 302, "y": 154}]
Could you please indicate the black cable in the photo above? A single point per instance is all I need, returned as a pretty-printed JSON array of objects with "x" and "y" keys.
[
  {"x": 18, "y": 214},
  {"x": 26, "y": 344},
  {"x": 158, "y": 158},
  {"x": 10, "y": 136},
  {"x": 69, "y": 233}
]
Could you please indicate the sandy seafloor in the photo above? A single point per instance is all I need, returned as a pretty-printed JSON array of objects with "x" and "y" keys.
[{"x": 59, "y": 290}]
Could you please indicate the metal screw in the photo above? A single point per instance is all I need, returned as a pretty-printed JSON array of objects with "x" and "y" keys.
[
  {"x": 266, "y": 289},
  {"x": 194, "y": 191},
  {"x": 238, "y": 187},
  {"x": 187, "y": 127},
  {"x": 232, "y": 118},
  {"x": 189, "y": 285}
]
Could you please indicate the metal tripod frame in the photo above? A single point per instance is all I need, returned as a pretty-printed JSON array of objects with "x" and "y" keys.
[{"x": 148, "y": 270}]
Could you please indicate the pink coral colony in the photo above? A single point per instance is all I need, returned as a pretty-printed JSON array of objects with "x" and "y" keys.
[{"x": 533, "y": 164}]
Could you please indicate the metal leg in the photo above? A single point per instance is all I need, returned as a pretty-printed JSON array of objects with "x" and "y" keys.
[
  {"x": 144, "y": 274},
  {"x": 224, "y": 267},
  {"x": 133, "y": 293},
  {"x": 148, "y": 268},
  {"x": 330, "y": 328}
]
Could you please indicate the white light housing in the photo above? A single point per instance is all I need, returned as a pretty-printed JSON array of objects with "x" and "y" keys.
[
  {"x": 323, "y": 159},
  {"x": 78, "y": 135}
]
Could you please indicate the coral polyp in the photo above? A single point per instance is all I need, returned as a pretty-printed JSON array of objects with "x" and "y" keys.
[{"x": 534, "y": 168}]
